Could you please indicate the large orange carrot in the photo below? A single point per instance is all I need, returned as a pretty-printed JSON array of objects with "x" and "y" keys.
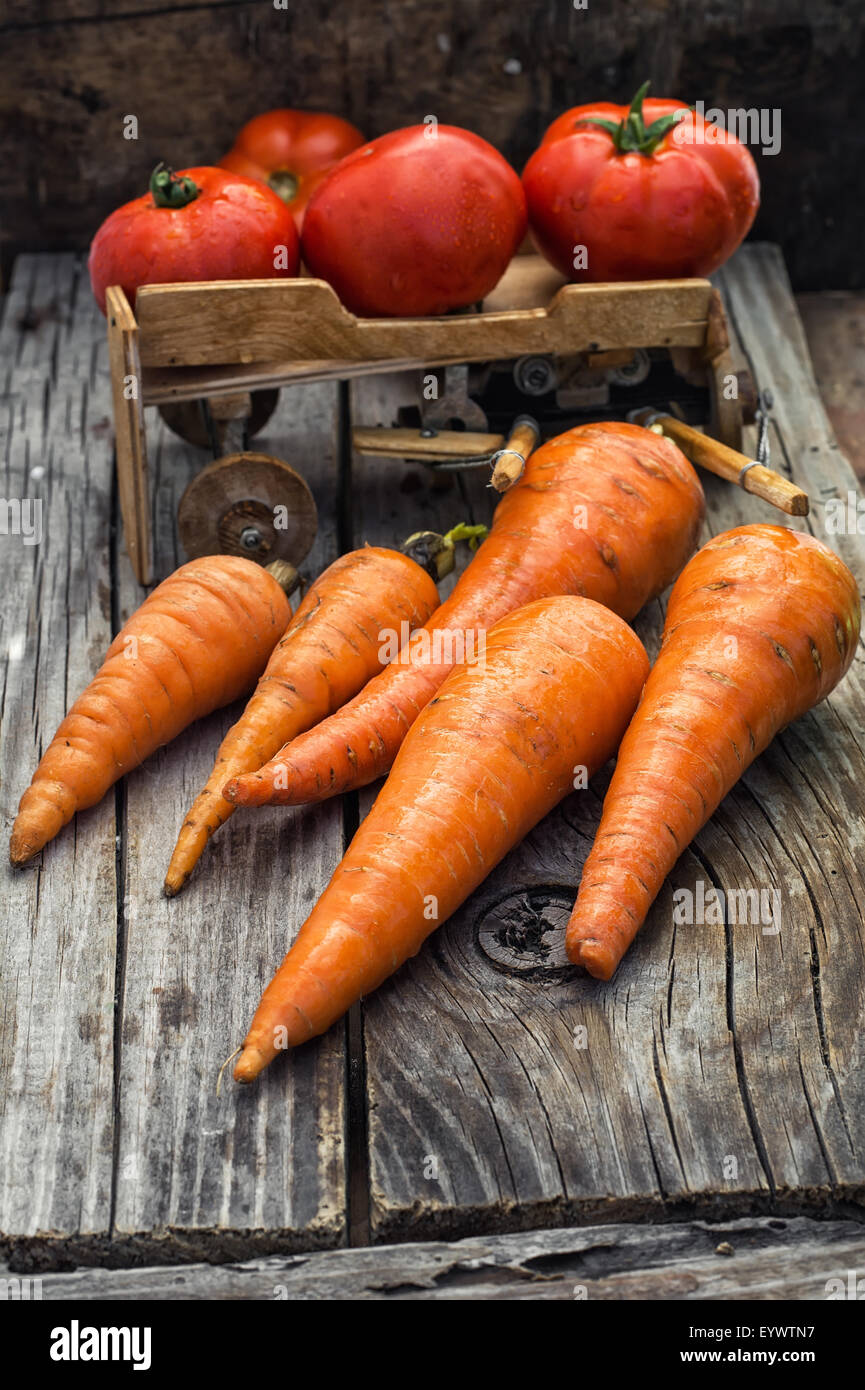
[
  {"x": 494, "y": 751},
  {"x": 331, "y": 649},
  {"x": 197, "y": 642},
  {"x": 761, "y": 625},
  {"x": 608, "y": 511}
]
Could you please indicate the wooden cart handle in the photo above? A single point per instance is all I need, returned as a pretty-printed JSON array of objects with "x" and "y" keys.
[
  {"x": 727, "y": 463},
  {"x": 509, "y": 462}
]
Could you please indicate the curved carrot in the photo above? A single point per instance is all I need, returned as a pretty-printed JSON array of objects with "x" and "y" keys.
[
  {"x": 331, "y": 649},
  {"x": 494, "y": 751},
  {"x": 762, "y": 623},
  {"x": 197, "y": 642},
  {"x": 610, "y": 511}
]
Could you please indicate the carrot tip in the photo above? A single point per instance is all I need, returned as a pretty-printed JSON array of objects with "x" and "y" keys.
[
  {"x": 248, "y": 790},
  {"x": 250, "y": 1063},
  {"x": 20, "y": 852},
  {"x": 593, "y": 956},
  {"x": 176, "y": 878}
]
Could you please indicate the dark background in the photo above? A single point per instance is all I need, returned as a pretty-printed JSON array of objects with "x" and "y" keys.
[{"x": 193, "y": 73}]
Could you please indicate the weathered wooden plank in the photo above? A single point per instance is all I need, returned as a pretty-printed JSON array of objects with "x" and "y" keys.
[
  {"x": 802, "y": 807},
  {"x": 391, "y": 499},
  {"x": 58, "y": 923},
  {"x": 759, "y": 1258},
  {"x": 722, "y": 1067},
  {"x": 835, "y": 327},
  {"x": 484, "y": 1109},
  {"x": 247, "y": 1170}
]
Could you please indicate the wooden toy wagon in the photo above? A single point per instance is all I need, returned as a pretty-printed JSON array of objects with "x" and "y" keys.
[{"x": 212, "y": 357}]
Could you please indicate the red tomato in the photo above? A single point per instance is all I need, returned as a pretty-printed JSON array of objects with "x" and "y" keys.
[
  {"x": 292, "y": 151},
  {"x": 200, "y": 224},
  {"x": 651, "y": 192},
  {"x": 417, "y": 222}
]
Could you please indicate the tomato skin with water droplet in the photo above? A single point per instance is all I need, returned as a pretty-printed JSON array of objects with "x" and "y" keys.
[
  {"x": 415, "y": 223},
  {"x": 233, "y": 230},
  {"x": 677, "y": 212}
]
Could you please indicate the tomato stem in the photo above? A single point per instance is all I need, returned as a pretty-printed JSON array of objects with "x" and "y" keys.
[
  {"x": 632, "y": 135},
  {"x": 435, "y": 553},
  {"x": 170, "y": 190},
  {"x": 285, "y": 184}
]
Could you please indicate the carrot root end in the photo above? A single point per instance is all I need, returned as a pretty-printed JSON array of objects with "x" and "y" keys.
[
  {"x": 249, "y": 1065},
  {"x": 592, "y": 955},
  {"x": 21, "y": 852}
]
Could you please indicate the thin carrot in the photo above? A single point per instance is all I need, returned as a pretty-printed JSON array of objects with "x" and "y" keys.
[
  {"x": 331, "y": 649},
  {"x": 608, "y": 511},
  {"x": 761, "y": 625},
  {"x": 197, "y": 642},
  {"x": 496, "y": 749}
]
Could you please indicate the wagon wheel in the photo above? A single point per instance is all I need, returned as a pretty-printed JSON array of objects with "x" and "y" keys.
[
  {"x": 248, "y": 504},
  {"x": 188, "y": 420}
]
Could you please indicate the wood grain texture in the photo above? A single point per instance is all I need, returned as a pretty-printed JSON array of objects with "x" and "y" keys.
[
  {"x": 808, "y": 795},
  {"x": 411, "y": 444},
  {"x": 71, "y": 71},
  {"x": 225, "y": 321},
  {"x": 247, "y": 1170},
  {"x": 58, "y": 919},
  {"x": 170, "y": 384},
  {"x": 391, "y": 499},
  {"x": 835, "y": 327},
  {"x": 760, "y": 1258},
  {"x": 113, "y": 1139},
  {"x": 722, "y": 1069},
  {"x": 130, "y": 449}
]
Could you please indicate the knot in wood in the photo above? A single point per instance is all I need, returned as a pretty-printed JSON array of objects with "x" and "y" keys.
[{"x": 524, "y": 933}]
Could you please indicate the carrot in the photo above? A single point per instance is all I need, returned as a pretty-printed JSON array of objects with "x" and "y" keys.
[
  {"x": 608, "y": 511},
  {"x": 496, "y": 749},
  {"x": 761, "y": 625},
  {"x": 197, "y": 642},
  {"x": 329, "y": 651}
]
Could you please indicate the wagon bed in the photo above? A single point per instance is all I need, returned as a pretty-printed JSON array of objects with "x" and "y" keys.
[{"x": 485, "y": 1090}]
